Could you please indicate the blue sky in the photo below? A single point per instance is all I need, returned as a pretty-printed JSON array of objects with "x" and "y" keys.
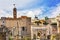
[{"x": 41, "y": 8}]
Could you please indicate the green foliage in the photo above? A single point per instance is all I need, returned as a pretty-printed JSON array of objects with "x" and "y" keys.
[
  {"x": 45, "y": 23},
  {"x": 46, "y": 18},
  {"x": 37, "y": 22},
  {"x": 56, "y": 37},
  {"x": 10, "y": 39},
  {"x": 26, "y": 38}
]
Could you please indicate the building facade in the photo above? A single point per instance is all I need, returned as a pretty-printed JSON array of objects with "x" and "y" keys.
[{"x": 20, "y": 26}]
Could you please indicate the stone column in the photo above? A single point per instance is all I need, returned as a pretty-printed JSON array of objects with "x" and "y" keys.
[
  {"x": 7, "y": 36},
  {"x": 58, "y": 26}
]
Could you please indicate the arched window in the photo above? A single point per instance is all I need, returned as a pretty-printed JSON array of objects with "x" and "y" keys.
[{"x": 24, "y": 29}]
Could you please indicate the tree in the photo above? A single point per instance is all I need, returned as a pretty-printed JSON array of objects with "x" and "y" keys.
[
  {"x": 37, "y": 22},
  {"x": 46, "y": 18},
  {"x": 45, "y": 23}
]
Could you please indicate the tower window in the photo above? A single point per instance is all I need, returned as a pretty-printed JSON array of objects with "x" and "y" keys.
[{"x": 3, "y": 21}]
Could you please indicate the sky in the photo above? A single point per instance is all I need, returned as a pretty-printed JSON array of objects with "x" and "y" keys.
[{"x": 30, "y": 8}]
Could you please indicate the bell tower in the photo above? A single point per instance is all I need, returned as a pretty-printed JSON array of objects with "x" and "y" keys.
[{"x": 14, "y": 12}]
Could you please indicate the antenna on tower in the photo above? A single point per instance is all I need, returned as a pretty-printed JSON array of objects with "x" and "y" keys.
[{"x": 14, "y": 5}]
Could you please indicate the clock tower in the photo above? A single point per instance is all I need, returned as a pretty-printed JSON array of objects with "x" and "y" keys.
[{"x": 14, "y": 12}]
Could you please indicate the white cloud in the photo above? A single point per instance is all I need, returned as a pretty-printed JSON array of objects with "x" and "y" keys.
[
  {"x": 55, "y": 11},
  {"x": 34, "y": 12},
  {"x": 7, "y": 5},
  {"x": 30, "y": 13},
  {"x": 4, "y": 14}
]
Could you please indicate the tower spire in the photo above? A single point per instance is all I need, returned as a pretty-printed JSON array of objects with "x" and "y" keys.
[{"x": 14, "y": 12}]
